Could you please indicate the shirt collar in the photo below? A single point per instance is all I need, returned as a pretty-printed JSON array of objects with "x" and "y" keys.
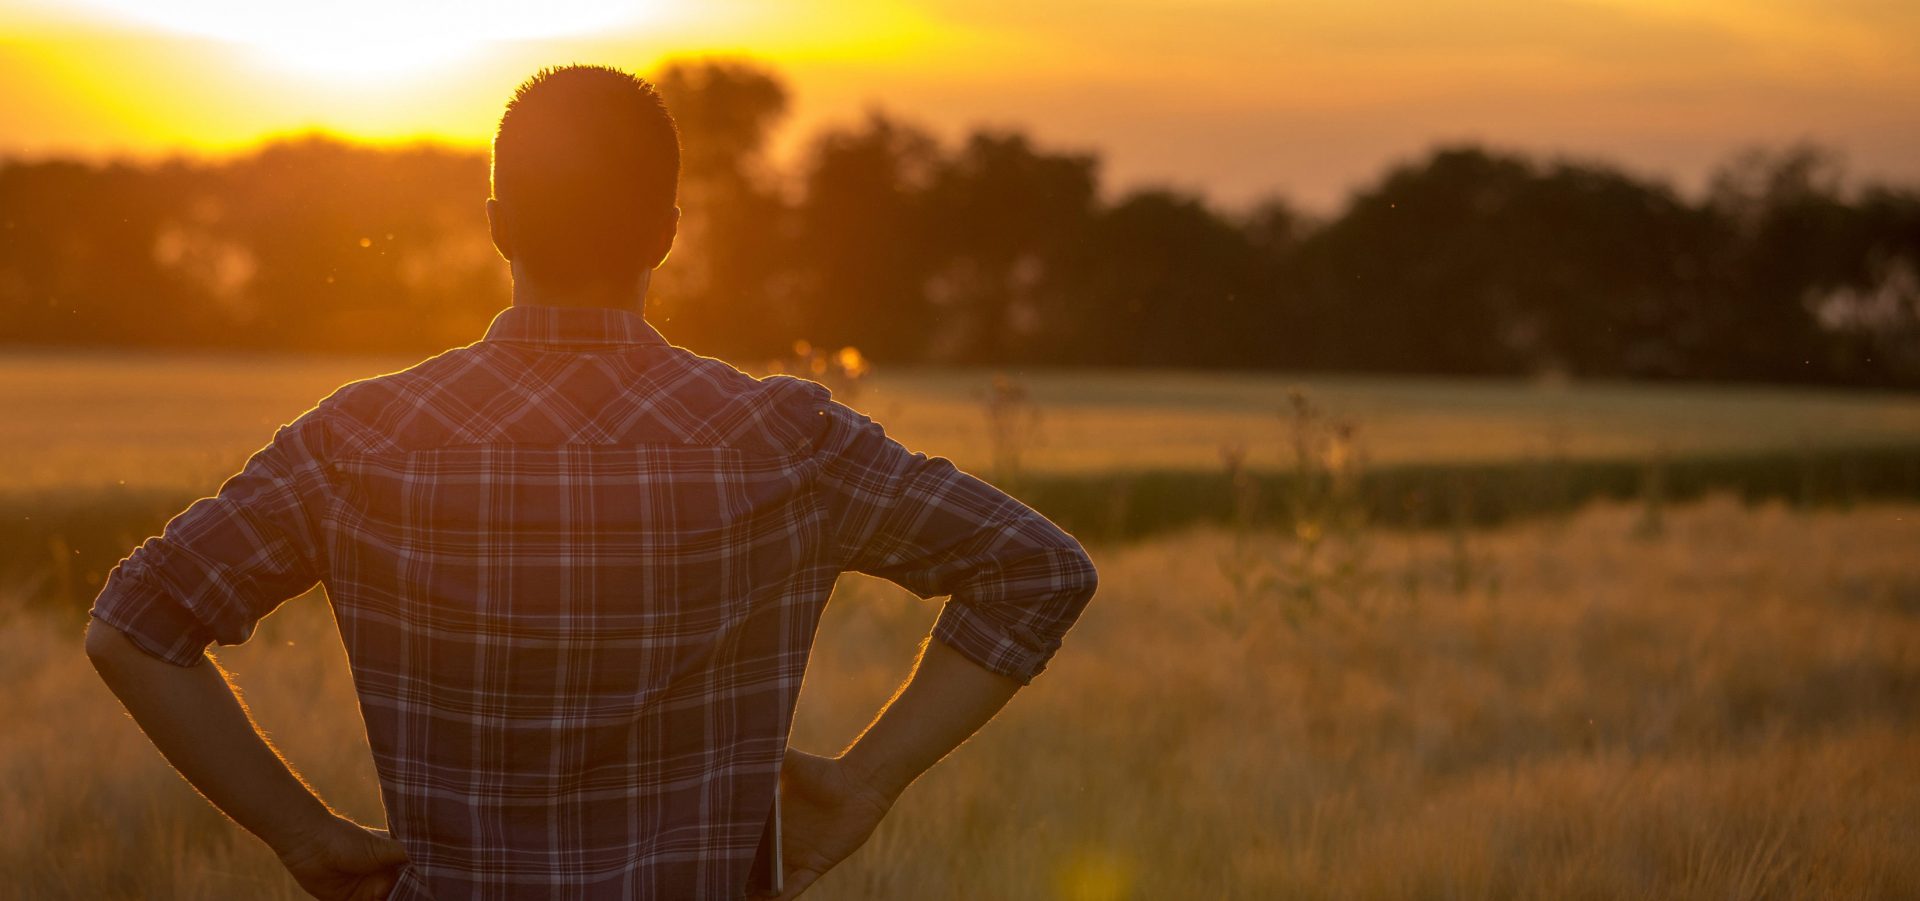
[{"x": 572, "y": 327}]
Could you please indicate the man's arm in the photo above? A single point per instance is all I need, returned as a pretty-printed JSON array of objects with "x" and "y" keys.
[
  {"x": 213, "y": 573},
  {"x": 834, "y": 803},
  {"x": 1016, "y": 583},
  {"x": 946, "y": 700},
  {"x": 193, "y": 716}
]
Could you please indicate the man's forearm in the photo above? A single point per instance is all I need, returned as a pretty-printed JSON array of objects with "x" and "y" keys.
[
  {"x": 192, "y": 715},
  {"x": 946, "y": 700}
]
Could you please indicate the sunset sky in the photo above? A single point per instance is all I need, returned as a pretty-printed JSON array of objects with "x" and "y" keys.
[{"x": 1234, "y": 97}]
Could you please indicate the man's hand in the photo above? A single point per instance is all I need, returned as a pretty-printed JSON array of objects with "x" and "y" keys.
[
  {"x": 828, "y": 810},
  {"x": 346, "y": 862},
  {"x": 833, "y": 803}
]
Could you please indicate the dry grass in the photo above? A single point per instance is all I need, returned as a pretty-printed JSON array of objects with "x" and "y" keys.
[
  {"x": 1725, "y": 712},
  {"x": 190, "y": 420}
]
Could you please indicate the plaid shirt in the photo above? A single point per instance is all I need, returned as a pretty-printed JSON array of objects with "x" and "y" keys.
[{"x": 577, "y": 572}]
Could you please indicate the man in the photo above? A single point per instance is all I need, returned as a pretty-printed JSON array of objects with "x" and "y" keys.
[{"x": 577, "y": 572}]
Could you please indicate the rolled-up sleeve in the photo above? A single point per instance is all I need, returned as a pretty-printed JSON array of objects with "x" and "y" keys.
[
  {"x": 1016, "y": 581},
  {"x": 226, "y": 561}
]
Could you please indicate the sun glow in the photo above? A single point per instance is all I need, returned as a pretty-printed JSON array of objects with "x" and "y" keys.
[{"x": 350, "y": 38}]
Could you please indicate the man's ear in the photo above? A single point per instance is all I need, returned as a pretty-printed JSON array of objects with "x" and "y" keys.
[
  {"x": 498, "y": 226},
  {"x": 664, "y": 242}
]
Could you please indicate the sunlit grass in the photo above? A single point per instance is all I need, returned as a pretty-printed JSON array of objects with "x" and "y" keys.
[{"x": 1725, "y": 711}]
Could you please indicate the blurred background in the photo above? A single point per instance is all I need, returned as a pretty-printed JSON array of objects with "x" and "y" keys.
[
  {"x": 1498, "y": 422},
  {"x": 1600, "y": 189}
]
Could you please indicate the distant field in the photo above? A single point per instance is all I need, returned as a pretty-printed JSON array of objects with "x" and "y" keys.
[{"x": 186, "y": 421}]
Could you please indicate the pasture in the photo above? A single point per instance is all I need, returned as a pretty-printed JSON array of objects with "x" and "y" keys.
[{"x": 1622, "y": 699}]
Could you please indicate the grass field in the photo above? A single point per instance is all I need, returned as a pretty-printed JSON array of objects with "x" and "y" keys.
[
  {"x": 1708, "y": 700},
  {"x": 1577, "y": 709},
  {"x": 185, "y": 422}
]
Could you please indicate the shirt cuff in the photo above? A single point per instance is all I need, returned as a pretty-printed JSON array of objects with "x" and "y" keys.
[
  {"x": 153, "y": 620},
  {"x": 1013, "y": 651}
]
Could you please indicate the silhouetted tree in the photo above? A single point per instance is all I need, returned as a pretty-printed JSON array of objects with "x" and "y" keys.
[
  {"x": 1872, "y": 317},
  {"x": 1475, "y": 262},
  {"x": 1170, "y": 284},
  {"x": 725, "y": 290},
  {"x": 1796, "y": 248},
  {"x": 77, "y": 256},
  {"x": 350, "y": 247},
  {"x": 1004, "y": 217},
  {"x": 862, "y": 249}
]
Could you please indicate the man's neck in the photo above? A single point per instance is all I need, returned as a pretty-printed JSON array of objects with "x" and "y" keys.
[{"x": 633, "y": 298}]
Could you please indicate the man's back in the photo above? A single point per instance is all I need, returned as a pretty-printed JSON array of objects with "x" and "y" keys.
[{"x": 577, "y": 572}]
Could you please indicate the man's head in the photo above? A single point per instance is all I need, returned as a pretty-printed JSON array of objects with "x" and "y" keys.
[{"x": 585, "y": 169}]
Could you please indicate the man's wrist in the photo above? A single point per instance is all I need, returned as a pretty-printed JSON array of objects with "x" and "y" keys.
[
  {"x": 307, "y": 825},
  {"x": 885, "y": 782}
]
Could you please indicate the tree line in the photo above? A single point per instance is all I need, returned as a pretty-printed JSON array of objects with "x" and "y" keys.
[{"x": 997, "y": 251}]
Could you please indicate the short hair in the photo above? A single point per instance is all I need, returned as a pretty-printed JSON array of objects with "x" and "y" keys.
[{"x": 588, "y": 161}]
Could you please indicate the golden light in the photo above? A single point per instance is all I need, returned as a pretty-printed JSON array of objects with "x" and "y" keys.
[{"x": 355, "y": 38}]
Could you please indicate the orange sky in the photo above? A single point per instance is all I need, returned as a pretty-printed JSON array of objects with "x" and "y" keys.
[{"x": 1235, "y": 97}]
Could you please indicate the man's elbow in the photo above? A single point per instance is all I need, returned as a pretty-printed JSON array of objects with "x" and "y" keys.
[
  {"x": 108, "y": 647},
  {"x": 101, "y": 640},
  {"x": 1087, "y": 579},
  {"x": 1080, "y": 579}
]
